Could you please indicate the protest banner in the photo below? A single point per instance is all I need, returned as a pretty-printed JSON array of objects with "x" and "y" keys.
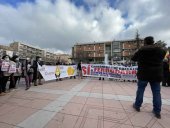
[
  {"x": 12, "y": 68},
  {"x": 109, "y": 71},
  {"x": 48, "y": 72},
  {"x": 5, "y": 66},
  {"x": 93, "y": 70}
]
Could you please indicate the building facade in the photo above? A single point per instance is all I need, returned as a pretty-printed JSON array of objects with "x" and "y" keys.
[
  {"x": 129, "y": 47},
  {"x": 63, "y": 58},
  {"x": 50, "y": 57},
  {"x": 90, "y": 52},
  {"x": 6, "y": 50},
  {"x": 118, "y": 51},
  {"x": 25, "y": 50}
]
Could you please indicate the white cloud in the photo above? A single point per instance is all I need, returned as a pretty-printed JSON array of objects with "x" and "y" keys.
[
  {"x": 150, "y": 17},
  {"x": 59, "y": 25}
]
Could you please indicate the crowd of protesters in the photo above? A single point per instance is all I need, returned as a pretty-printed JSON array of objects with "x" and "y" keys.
[{"x": 12, "y": 69}]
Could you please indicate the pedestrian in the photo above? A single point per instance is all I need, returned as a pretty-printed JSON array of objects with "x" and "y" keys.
[
  {"x": 166, "y": 73},
  {"x": 101, "y": 78},
  {"x": 27, "y": 71},
  {"x": 1, "y": 78},
  {"x": 37, "y": 75},
  {"x": 15, "y": 76},
  {"x": 6, "y": 64},
  {"x": 58, "y": 72},
  {"x": 150, "y": 70},
  {"x": 79, "y": 69}
]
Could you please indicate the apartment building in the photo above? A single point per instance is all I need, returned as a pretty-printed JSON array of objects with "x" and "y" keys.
[
  {"x": 64, "y": 58},
  {"x": 1, "y": 53},
  {"x": 89, "y": 52},
  {"x": 6, "y": 50},
  {"x": 129, "y": 47},
  {"x": 120, "y": 50},
  {"x": 27, "y": 50},
  {"x": 50, "y": 57}
]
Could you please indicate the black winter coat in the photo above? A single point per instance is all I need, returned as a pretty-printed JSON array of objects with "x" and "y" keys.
[
  {"x": 150, "y": 63},
  {"x": 165, "y": 69},
  {"x": 35, "y": 67}
]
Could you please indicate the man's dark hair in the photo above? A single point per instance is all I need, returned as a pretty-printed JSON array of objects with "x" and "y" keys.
[
  {"x": 14, "y": 57},
  {"x": 37, "y": 57},
  {"x": 6, "y": 56},
  {"x": 149, "y": 40}
]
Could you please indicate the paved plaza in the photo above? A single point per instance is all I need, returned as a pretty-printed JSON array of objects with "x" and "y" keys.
[{"x": 81, "y": 103}]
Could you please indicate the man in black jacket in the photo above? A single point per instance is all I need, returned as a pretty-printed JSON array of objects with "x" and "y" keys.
[
  {"x": 37, "y": 74},
  {"x": 150, "y": 70}
]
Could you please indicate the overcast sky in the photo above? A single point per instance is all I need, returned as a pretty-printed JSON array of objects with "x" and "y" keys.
[{"x": 59, "y": 24}]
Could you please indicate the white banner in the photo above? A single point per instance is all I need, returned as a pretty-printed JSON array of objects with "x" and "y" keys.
[
  {"x": 5, "y": 66},
  {"x": 50, "y": 72},
  {"x": 109, "y": 71},
  {"x": 12, "y": 68}
]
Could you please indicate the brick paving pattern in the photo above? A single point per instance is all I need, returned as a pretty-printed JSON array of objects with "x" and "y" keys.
[{"x": 81, "y": 103}]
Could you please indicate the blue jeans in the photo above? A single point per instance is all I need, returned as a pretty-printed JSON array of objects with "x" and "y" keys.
[{"x": 155, "y": 87}]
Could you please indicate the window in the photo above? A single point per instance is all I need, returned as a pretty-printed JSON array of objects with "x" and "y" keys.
[{"x": 116, "y": 50}]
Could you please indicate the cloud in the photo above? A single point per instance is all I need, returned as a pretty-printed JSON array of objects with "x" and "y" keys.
[
  {"x": 59, "y": 24},
  {"x": 150, "y": 17}
]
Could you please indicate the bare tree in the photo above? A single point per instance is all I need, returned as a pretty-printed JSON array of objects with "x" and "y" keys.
[
  {"x": 161, "y": 43},
  {"x": 137, "y": 39}
]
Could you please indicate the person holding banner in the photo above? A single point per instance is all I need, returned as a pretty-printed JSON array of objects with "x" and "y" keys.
[
  {"x": 13, "y": 68},
  {"x": 37, "y": 74},
  {"x": 150, "y": 70},
  {"x": 58, "y": 72},
  {"x": 79, "y": 69},
  {"x": 1, "y": 78},
  {"x": 6, "y": 71},
  {"x": 100, "y": 78},
  {"x": 18, "y": 72},
  {"x": 27, "y": 72}
]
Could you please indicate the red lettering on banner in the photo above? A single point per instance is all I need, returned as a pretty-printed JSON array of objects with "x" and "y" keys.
[
  {"x": 98, "y": 69},
  {"x": 101, "y": 70},
  {"x": 88, "y": 70},
  {"x": 84, "y": 70},
  {"x": 95, "y": 69},
  {"x": 133, "y": 72},
  {"x": 107, "y": 69},
  {"x": 123, "y": 71},
  {"x": 113, "y": 71},
  {"x": 127, "y": 72}
]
